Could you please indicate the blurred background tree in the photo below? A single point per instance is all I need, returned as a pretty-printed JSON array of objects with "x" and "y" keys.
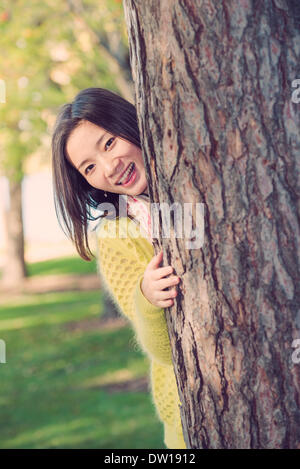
[
  {"x": 49, "y": 52},
  {"x": 74, "y": 377}
]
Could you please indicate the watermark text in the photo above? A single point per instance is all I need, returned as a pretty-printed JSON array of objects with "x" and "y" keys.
[
  {"x": 296, "y": 93},
  {"x": 188, "y": 221},
  {"x": 2, "y": 91},
  {"x": 2, "y": 351},
  {"x": 296, "y": 352}
]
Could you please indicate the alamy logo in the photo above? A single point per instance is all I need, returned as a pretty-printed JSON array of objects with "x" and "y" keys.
[
  {"x": 296, "y": 353},
  {"x": 2, "y": 351},
  {"x": 2, "y": 91},
  {"x": 296, "y": 93},
  {"x": 184, "y": 219}
]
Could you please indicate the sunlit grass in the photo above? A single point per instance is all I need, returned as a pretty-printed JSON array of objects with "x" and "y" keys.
[
  {"x": 52, "y": 394},
  {"x": 49, "y": 309},
  {"x": 116, "y": 377},
  {"x": 66, "y": 265}
]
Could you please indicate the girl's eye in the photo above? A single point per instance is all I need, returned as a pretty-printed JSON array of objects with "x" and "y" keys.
[
  {"x": 86, "y": 169},
  {"x": 109, "y": 141}
]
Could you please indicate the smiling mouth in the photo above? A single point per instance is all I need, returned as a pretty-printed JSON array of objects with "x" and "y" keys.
[{"x": 127, "y": 175}]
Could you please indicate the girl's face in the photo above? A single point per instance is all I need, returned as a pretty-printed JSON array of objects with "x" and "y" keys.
[{"x": 102, "y": 159}]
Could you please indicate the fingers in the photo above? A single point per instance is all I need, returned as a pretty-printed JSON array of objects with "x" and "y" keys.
[
  {"x": 166, "y": 295},
  {"x": 162, "y": 272},
  {"x": 159, "y": 271},
  {"x": 168, "y": 282},
  {"x": 163, "y": 298},
  {"x": 165, "y": 304},
  {"x": 156, "y": 260}
]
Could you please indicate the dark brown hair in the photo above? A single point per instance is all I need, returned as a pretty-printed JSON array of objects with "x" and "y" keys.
[{"x": 73, "y": 195}]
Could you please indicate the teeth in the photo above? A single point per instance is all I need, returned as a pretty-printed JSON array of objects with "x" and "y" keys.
[{"x": 124, "y": 177}]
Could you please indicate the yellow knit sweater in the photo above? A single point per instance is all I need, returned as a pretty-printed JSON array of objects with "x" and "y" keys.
[{"x": 123, "y": 255}]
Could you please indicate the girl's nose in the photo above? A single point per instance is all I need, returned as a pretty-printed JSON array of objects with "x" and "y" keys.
[{"x": 110, "y": 169}]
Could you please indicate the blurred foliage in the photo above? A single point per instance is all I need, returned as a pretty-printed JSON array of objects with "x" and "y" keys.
[{"x": 50, "y": 50}]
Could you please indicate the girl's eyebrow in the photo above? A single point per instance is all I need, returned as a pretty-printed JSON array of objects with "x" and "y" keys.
[{"x": 96, "y": 145}]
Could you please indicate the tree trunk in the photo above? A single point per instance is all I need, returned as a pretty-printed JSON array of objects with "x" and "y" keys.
[
  {"x": 109, "y": 307},
  {"x": 14, "y": 270},
  {"x": 213, "y": 84}
]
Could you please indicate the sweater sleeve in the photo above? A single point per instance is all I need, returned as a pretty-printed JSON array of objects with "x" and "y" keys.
[{"x": 121, "y": 268}]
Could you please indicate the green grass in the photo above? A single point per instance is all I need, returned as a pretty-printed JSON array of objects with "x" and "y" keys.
[
  {"x": 51, "y": 394},
  {"x": 69, "y": 265}
]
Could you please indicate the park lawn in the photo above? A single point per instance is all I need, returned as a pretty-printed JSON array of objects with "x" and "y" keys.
[
  {"x": 69, "y": 265},
  {"x": 52, "y": 392}
]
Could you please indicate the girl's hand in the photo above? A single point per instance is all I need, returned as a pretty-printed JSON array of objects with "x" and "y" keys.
[{"x": 154, "y": 283}]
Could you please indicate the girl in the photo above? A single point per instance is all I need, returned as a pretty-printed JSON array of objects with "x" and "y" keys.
[{"x": 97, "y": 158}]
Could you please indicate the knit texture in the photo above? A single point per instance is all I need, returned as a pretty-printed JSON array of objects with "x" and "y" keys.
[{"x": 123, "y": 255}]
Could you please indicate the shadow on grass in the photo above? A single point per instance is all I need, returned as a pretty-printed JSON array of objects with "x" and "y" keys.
[{"x": 70, "y": 380}]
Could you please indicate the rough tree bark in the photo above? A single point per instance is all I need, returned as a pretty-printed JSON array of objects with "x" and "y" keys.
[{"x": 213, "y": 85}]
